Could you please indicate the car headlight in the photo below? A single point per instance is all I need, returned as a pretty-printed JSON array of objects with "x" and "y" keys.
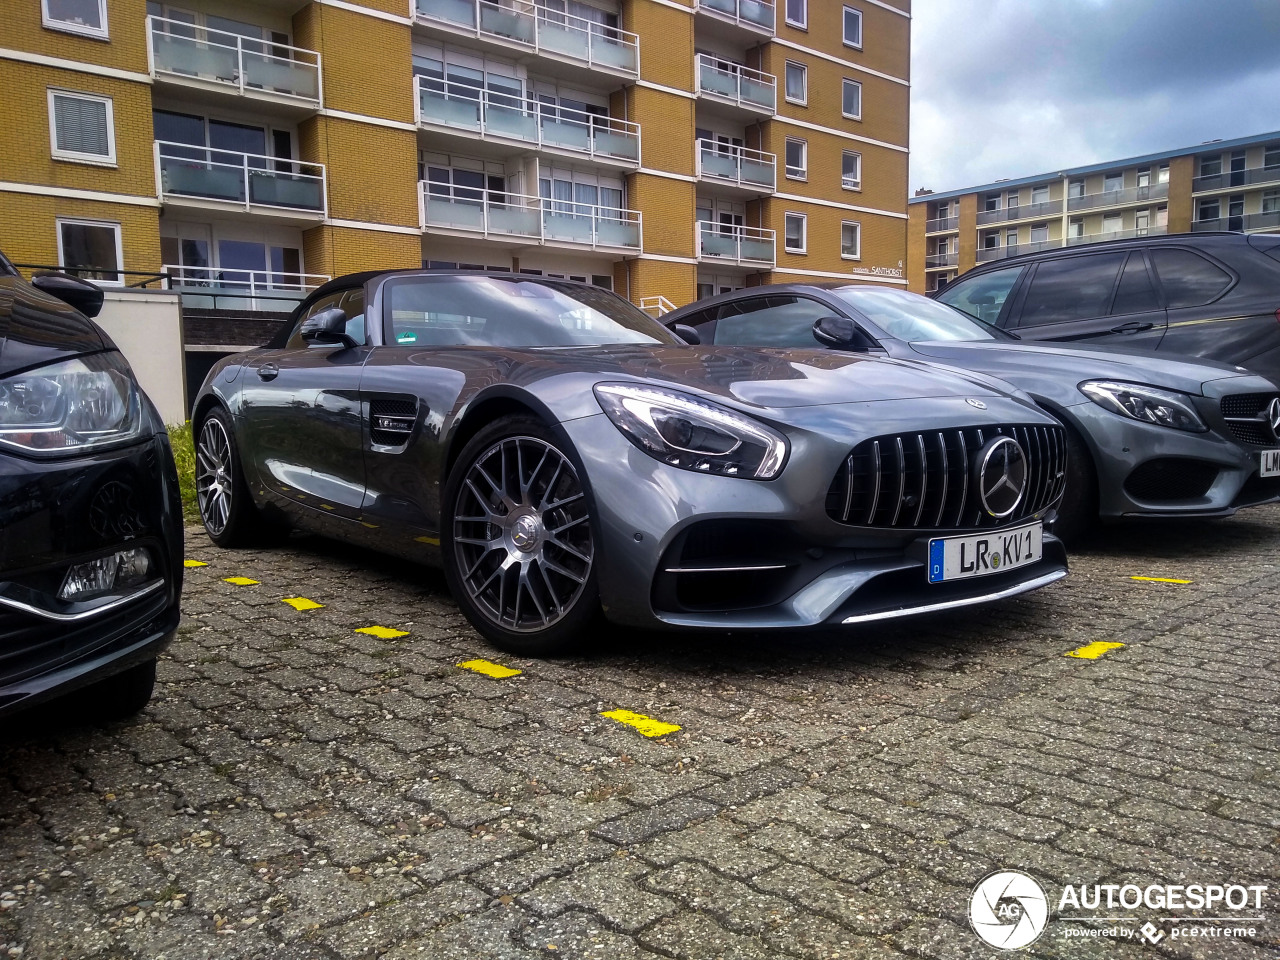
[
  {"x": 692, "y": 434},
  {"x": 1146, "y": 404},
  {"x": 70, "y": 406}
]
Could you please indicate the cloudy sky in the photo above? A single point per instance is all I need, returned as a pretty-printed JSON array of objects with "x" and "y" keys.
[{"x": 1013, "y": 88}]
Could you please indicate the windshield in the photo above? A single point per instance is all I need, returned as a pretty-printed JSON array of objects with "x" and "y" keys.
[
  {"x": 911, "y": 317},
  {"x": 484, "y": 311}
]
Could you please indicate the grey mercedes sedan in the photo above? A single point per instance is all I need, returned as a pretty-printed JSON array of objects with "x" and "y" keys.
[{"x": 564, "y": 456}]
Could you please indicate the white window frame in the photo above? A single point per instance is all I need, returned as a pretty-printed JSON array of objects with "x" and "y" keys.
[
  {"x": 850, "y": 116},
  {"x": 80, "y": 221},
  {"x": 857, "y": 184},
  {"x": 804, "y": 232},
  {"x": 803, "y": 22},
  {"x": 844, "y": 20},
  {"x": 804, "y": 159},
  {"x": 103, "y": 160},
  {"x": 804, "y": 83},
  {"x": 99, "y": 33},
  {"x": 857, "y": 227}
]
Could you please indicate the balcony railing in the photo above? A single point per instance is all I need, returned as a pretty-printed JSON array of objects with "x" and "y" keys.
[
  {"x": 516, "y": 119},
  {"x": 242, "y": 65},
  {"x": 489, "y": 213},
  {"x": 726, "y": 243},
  {"x": 234, "y": 289},
  {"x": 1016, "y": 249},
  {"x": 1157, "y": 231},
  {"x": 734, "y": 83},
  {"x": 250, "y": 180},
  {"x": 656, "y": 306},
  {"x": 542, "y": 31},
  {"x": 941, "y": 223},
  {"x": 1046, "y": 208},
  {"x": 1239, "y": 222},
  {"x": 1260, "y": 221},
  {"x": 1253, "y": 176},
  {"x": 752, "y": 14},
  {"x": 934, "y": 260},
  {"x": 1112, "y": 198},
  {"x": 742, "y": 166}
]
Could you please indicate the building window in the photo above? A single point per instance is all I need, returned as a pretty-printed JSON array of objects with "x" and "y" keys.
[
  {"x": 1209, "y": 209},
  {"x": 797, "y": 158},
  {"x": 1076, "y": 227},
  {"x": 851, "y": 101},
  {"x": 991, "y": 202},
  {"x": 798, "y": 13},
  {"x": 852, "y": 27},
  {"x": 90, "y": 249},
  {"x": 1075, "y": 188},
  {"x": 1271, "y": 201},
  {"x": 797, "y": 82},
  {"x": 81, "y": 127},
  {"x": 1210, "y": 166},
  {"x": 1271, "y": 155},
  {"x": 1144, "y": 177},
  {"x": 1162, "y": 173},
  {"x": 1040, "y": 233},
  {"x": 1112, "y": 182},
  {"x": 76, "y": 16},
  {"x": 796, "y": 226},
  {"x": 851, "y": 171},
  {"x": 1040, "y": 194},
  {"x": 850, "y": 240}
]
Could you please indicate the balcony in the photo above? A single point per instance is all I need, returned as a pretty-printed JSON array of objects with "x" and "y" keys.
[
  {"x": 741, "y": 167},
  {"x": 756, "y": 16},
  {"x": 213, "y": 288},
  {"x": 941, "y": 224},
  {"x": 1117, "y": 235},
  {"x": 999, "y": 253},
  {"x": 520, "y": 219},
  {"x": 503, "y": 118},
  {"x": 733, "y": 85},
  {"x": 1115, "y": 198},
  {"x": 558, "y": 36},
  {"x": 1252, "y": 177},
  {"x": 222, "y": 179},
  {"x": 214, "y": 61},
  {"x": 936, "y": 261},
  {"x": 728, "y": 244},
  {"x": 1046, "y": 208}
]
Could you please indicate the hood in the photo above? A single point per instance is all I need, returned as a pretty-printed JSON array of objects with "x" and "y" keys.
[
  {"x": 36, "y": 328},
  {"x": 1042, "y": 368}
]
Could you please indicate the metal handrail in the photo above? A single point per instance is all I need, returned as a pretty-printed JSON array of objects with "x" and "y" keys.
[
  {"x": 738, "y": 72},
  {"x": 267, "y": 166},
  {"x": 738, "y": 234},
  {"x": 1229, "y": 179},
  {"x": 717, "y": 9},
  {"x": 739, "y": 154},
  {"x": 489, "y": 201},
  {"x": 659, "y": 303},
  {"x": 217, "y": 283},
  {"x": 150, "y": 276},
  {"x": 941, "y": 223}
]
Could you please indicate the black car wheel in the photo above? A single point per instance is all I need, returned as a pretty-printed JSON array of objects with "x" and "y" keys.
[
  {"x": 221, "y": 493},
  {"x": 1078, "y": 510},
  {"x": 120, "y": 696},
  {"x": 518, "y": 542}
]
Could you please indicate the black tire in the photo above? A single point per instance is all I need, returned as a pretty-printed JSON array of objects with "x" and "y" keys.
[
  {"x": 226, "y": 508},
  {"x": 1078, "y": 509},
  {"x": 518, "y": 539},
  {"x": 120, "y": 696}
]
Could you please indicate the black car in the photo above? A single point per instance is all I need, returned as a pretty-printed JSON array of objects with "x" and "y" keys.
[
  {"x": 90, "y": 516},
  {"x": 1209, "y": 295}
]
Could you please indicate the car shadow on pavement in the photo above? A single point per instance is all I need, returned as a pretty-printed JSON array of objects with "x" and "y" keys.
[{"x": 1174, "y": 538}]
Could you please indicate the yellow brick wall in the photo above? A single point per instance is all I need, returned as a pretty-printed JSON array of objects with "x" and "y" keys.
[
  {"x": 371, "y": 170},
  {"x": 968, "y": 224},
  {"x": 30, "y": 228},
  {"x": 666, "y": 42},
  {"x": 666, "y": 129},
  {"x": 124, "y": 49},
  {"x": 667, "y": 207},
  {"x": 884, "y": 239},
  {"x": 656, "y": 278},
  {"x": 1181, "y": 172},
  {"x": 884, "y": 171},
  {"x": 917, "y": 214},
  {"x": 340, "y": 250},
  {"x": 885, "y": 104},
  {"x": 886, "y": 36},
  {"x": 366, "y": 62}
]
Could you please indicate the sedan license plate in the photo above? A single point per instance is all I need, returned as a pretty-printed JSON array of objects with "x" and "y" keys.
[
  {"x": 1270, "y": 463},
  {"x": 955, "y": 558}
]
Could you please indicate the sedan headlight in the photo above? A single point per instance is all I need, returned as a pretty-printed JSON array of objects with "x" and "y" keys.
[
  {"x": 71, "y": 406},
  {"x": 1146, "y": 404},
  {"x": 692, "y": 434}
]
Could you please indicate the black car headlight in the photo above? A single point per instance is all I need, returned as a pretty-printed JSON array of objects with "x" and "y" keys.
[
  {"x": 1146, "y": 404},
  {"x": 690, "y": 433},
  {"x": 71, "y": 406}
]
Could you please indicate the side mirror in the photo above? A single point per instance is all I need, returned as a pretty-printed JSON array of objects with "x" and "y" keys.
[
  {"x": 327, "y": 326},
  {"x": 81, "y": 294},
  {"x": 687, "y": 334},
  {"x": 840, "y": 333}
]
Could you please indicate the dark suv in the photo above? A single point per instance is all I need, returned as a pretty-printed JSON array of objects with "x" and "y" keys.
[{"x": 1212, "y": 295}]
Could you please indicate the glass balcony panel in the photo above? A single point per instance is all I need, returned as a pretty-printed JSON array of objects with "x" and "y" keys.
[
  {"x": 566, "y": 134},
  {"x": 620, "y": 145},
  {"x": 282, "y": 76},
  {"x": 450, "y": 110},
  {"x": 619, "y": 233},
  {"x": 758, "y": 172},
  {"x": 757, "y": 12},
  {"x": 611, "y": 53},
  {"x": 507, "y": 23},
  {"x": 756, "y": 92},
  {"x": 285, "y": 190},
  {"x": 195, "y": 179},
  {"x": 450, "y": 212},
  {"x": 563, "y": 39},
  {"x": 455, "y": 11},
  {"x": 513, "y": 219},
  {"x": 721, "y": 165},
  {"x": 512, "y": 121},
  {"x": 567, "y": 226},
  {"x": 760, "y": 250},
  {"x": 719, "y": 82},
  {"x": 724, "y": 6},
  {"x": 719, "y": 245},
  {"x": 189, "y": 57}
]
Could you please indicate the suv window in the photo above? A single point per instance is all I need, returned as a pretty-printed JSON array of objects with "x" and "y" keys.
[
  {"x": 1136, "y": 293},
  {"x": 1187, "y": 278},
  {"x": 982, "y": 297},
  {"x": 1076, "y": 288},
  {"x": 775, "y": 321}
]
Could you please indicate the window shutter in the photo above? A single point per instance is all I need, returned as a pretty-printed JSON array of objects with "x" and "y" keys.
[{"x": 81, "y": 125}]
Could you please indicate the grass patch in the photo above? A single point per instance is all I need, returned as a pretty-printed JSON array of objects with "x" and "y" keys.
[{"x": 184, "y": 455}]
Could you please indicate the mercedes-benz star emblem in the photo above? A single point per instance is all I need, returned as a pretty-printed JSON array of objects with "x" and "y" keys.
[
  {"x": 975, "y": 403},
  {"x": 1273, "y": 417},
  {"x": 1002, "y": 476}
]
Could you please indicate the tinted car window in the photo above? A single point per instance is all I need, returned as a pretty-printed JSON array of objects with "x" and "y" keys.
[
  {"x": 1136, "y": 293},
  {"x": 775, "y": 321},
  {"x": 1077, "y": 288},
  {"x": 324, "y": 303},
  {"x": 911, "y": 317},
  {"x": 353, "y": 307},
  {"x": 982, "y": 297},
  {"x": 1187, "y": 278}
]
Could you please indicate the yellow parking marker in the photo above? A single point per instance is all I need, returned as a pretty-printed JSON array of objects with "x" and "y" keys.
[
  {"x": 430, "y": 541},
  {"x": 194, "y": 563},
  {"x": 490, "y": 669},
  {"x": 241, "y": 581},
  {"x": 645, "y": 725},
  {"x": 1159, "y": 580},
  {"x": 301, "y": 603},
  {"x": 383, "y": 633},
  {"x": 1092, "y": 651}
]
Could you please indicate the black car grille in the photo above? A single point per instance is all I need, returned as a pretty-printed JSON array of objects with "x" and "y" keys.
[
  {"x": 1246, "y": 416},
  {"x": 925, "y": 480},
  {"x": 391, "y": 420},
  {"x": 1171, "y": 478}
]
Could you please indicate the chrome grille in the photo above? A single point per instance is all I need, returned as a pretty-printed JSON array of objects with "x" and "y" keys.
[
  {"x": 925, "y": 480},
  {"x": 1246, "y": 416}
]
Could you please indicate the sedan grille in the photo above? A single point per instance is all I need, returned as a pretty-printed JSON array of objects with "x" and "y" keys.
[
  {"x": 928, "y": 480},
  {"x": 1246, "y": 416}
]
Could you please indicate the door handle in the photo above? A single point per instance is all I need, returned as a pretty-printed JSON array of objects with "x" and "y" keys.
[
  {"x": 1133, "y": 326},
  {"x": 268, "y": 371}
]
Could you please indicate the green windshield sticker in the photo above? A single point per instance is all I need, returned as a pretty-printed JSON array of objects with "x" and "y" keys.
[{"x": 407, "y": 337}]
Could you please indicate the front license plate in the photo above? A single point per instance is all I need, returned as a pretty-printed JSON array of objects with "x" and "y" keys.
[
  {"x": 955, "y": 558},
  {"x": 1270, "y": 463}
]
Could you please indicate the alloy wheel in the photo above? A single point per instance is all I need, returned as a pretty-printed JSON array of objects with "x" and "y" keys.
[{"x": 213, "y": 476}]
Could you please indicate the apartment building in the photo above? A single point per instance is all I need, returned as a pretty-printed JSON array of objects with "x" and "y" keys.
[
  {"x": 1219, "y": 185},
  {"x": 247, "y": 151}
]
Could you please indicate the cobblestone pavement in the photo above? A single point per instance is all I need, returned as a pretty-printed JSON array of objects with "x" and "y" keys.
[{"x": 298, "y": 789}]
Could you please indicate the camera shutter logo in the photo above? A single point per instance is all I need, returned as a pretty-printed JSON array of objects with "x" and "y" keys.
[{"x": 1008, "y": 910}]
